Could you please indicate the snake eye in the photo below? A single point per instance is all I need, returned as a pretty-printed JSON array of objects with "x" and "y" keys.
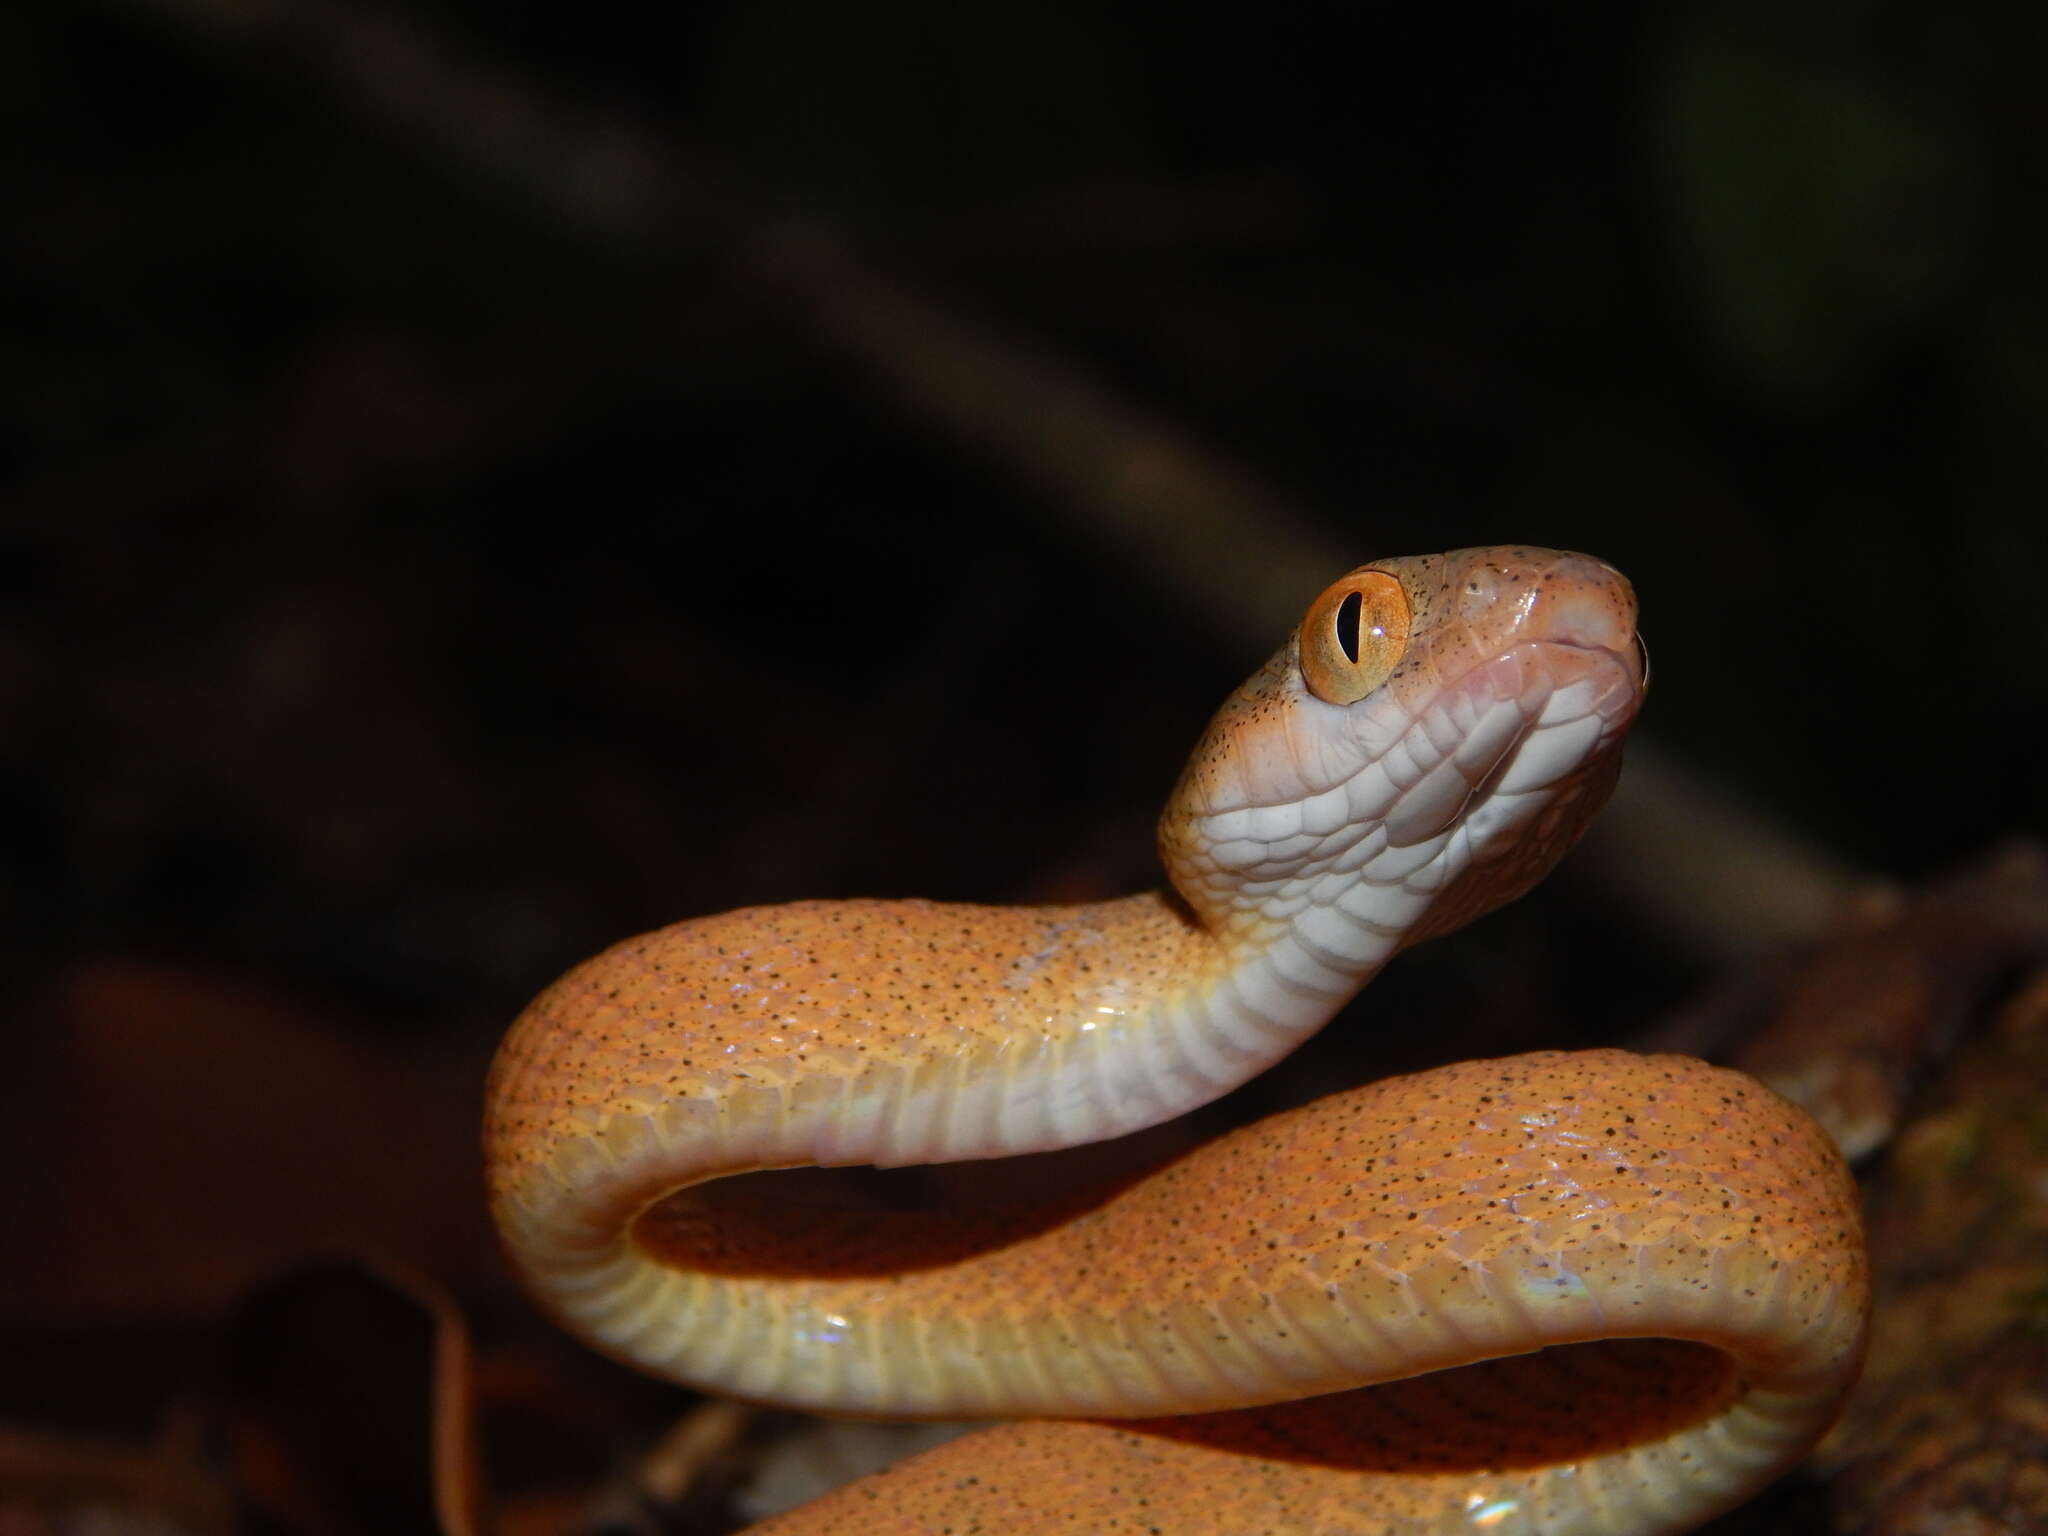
[{"x": 1353, "y": 636}]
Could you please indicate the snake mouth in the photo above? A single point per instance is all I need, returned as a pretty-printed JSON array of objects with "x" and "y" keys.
[
  {"x": 1552, "y": 634},
  {"x": 1631, "y": 658},
  {"x": 1541, "y": 714},
  {"x": 1630, "y": 662},
  {"x": 1553, "y": 682}
]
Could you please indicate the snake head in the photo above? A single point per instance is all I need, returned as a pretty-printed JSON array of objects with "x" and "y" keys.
[{"x": 1428, "y": 743}]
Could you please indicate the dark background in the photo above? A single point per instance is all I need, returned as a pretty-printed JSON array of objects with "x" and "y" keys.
[{"x": 466, "y": 499}]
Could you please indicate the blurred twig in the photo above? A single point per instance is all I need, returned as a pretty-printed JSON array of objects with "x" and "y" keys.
[{"x": 1715, "y": 876}]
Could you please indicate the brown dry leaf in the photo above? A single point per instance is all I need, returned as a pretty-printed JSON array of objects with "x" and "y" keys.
[{"x": 193, "y": 1133}]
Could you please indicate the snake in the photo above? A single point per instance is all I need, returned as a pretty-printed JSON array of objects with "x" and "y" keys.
[{"x": 1560, "y": 1292}]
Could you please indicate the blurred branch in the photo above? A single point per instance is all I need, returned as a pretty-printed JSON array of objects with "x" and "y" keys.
[{"x": 1714, "y": 875}]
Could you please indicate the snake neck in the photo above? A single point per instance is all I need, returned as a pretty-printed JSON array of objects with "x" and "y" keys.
[{"x": 1278, "y": 954}]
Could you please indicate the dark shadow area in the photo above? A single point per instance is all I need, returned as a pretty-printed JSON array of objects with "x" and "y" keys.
[
  {"x": 844, "y": 1223},
  {"x": 1562, "y": 1404}
]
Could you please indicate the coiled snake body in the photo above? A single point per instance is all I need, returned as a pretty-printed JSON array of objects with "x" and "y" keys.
[{"x": 1426, "y": 745}]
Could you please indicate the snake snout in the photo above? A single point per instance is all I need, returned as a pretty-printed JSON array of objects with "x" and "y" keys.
[{"x": 1584, "y": 602}]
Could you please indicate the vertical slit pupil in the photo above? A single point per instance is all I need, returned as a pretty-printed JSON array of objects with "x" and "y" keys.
[{"x": 1347, "y": 623}]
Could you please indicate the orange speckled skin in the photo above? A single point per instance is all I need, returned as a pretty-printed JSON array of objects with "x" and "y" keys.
[
  {"x": 1696, "y": 1204},
  {"x": 759, "y": 1006},
  {"x": 1599, "y": 1293}
]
